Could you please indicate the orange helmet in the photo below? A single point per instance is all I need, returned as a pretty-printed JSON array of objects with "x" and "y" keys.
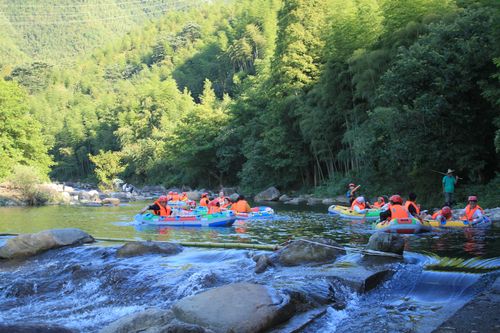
[{"x": 446, "y": 211}]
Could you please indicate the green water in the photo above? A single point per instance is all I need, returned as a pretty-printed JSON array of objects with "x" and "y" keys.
[{"x": 291, "y": 222}]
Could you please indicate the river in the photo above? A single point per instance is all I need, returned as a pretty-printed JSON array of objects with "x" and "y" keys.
[{"x": 85, "y": 288}]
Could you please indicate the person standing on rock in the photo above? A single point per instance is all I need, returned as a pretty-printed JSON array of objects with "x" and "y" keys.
[
  {"x": 449, "y": 181},
  {"x": 351, "y": 193},
  {"x": 159, "y": 207}
]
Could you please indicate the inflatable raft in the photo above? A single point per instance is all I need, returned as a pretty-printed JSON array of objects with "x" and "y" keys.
[
  {"x": 349, "y": 214},
  {"x": 258, "y": 213},
  {"x": 224, "y": 219},
  {"x": 403, "y": 226},
  {"x": 460, "y": 223},
  {"x": 181, "y": 203}
]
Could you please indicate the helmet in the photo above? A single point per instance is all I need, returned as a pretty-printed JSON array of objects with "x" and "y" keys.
[
  {"x": 163, "y": 198},
  {"x": 396, "y": 199},
  {"x": 352, "y": 184},
  {"x": 472, "y": 198},
  {"x": 360, "y": 199},
  {"x": 446, "y": 211},
  {"x": 170, "y": 192},
  {"x": 204, "y": 195}
]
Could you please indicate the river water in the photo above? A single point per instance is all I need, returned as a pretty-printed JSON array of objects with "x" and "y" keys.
[{"x": 87, "y": 287}]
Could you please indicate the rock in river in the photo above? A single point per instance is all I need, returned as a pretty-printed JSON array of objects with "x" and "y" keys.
[
  {"x": 316, "y": 250},
  {"x": 33, "y": 328},
  {"x": 271, "y": 194},
  {"x": 386, "y": 242},
  {"x": 131, "y": 249},
  {"x": 26, "y": 245},
  {"x": 238, "y": 307}
]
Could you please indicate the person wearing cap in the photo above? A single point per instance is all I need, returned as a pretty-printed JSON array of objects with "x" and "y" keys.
[
  {"x": 359, "y": 205},
  {"x": 443, "y": 215},
  {"x": 449, "y": 181},
  {"x": 204, "y": 200},
  {"x": 396, "y": 209},
  {"x": 159, "y": 207},
  {"x": 473, "y": 212},
  {"x": 351, "y": 193}
]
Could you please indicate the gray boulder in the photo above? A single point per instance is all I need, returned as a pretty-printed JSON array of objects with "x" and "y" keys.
[
  {"x": 296, "y": 201},
  {"x": 309, "y": 251},
  {"x": 148, "y": 321},
  {"x": 328, "y": 201},
  {"x": 271, "y": 194},
  {"x": 386, "y": 242},
  {"x": 284, "y": 198},
  {"x": 111, "y": 201},
  {"x": 27, "y": 245},
  {"x": 33, "y": 328},
  {"x": 194, "y": 195},
  {"x": 340, "y": 199},
  {"x": 313, "y": 201},
  {"x": 154, "y": 189},
  {"x": 131, "y": 249},
  {"x": 262, "y": 262},
  {"x": 238, "y": 307}
]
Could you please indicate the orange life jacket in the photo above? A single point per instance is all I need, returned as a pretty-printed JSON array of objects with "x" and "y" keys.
[
  {"x": 204, "y": 202},
  {"x": 469, "y": 213},
  {"x": 213, "y": 209},
  {"x": 408, "y": 203},
  {"x": 175, "y": 197},
  {"x": 241, "y": 206},
  {"x": 378, "y": 204},
  {"x": 360, "y": 205},
  {"x": 399, "y": 212},
  {"x": 183, "y": 198},
  {"x": 164, "y": 211}
]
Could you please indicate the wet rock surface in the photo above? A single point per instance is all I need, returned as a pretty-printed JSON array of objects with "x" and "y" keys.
[
  {"x": 307, "y": 251},
  {"x": 386, "y": 242},
  {"x": 140, "y": 248},
  {"x": 27, "y": 245},
  {"x": 148, "y": 321},
  {"x": 238, "y": 307},
  {"x": 34, "y": 328}
]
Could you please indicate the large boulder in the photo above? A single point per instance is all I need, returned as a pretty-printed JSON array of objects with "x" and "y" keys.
[
  {"x": 238, "y": 307},
  {"x": 328, "y": 201},
  {"x": 341, "y": 200},
  {"x": 26, "y": 245},
  {"x": 313, "y": 201},
  {"x": 148, "y": 321},
  {"x": 33, "y": 328},
  {"x": 194, "y": 195},
  {"x": 307, "y": 251},
  {"x": 386, "y": 242},
  {"x": 284, "y": 198},
  {"x": 131, "y": 249},
  {"x": 271, "y": 194}
]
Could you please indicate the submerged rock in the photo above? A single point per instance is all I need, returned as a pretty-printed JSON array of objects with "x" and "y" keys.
[
  {"x": 271, "y": 194},
  {"x": 239, "y": 307},
  {"x": 284, "y": 198},
  {"x": 296, "y": 201},
  {"x": 148, "y": 321},
  {"x": 262, "y": 262},
  {"x": 316, "y": 250},
  {"x": 131, "y": 249},
  {"x": 386, "y": 242},
  {"x": 33, "y": 328},
  {"x": 27, "y": 245}
]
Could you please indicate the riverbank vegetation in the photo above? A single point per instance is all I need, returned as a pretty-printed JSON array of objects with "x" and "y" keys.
[{"x": 298, "y": 94}]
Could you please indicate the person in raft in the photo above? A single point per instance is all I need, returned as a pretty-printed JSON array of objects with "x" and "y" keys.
[
  {"x": 473, "y": 212},
  {"x": 396, "y": 209},
  {"x": 159, "y": 207},
  {"x": 449, "y": 181},
  {"x": 351, "y": 192},
  {"x": 227, "y": 203},
  {"x": 204, "y": 200},
  {"x": 443, "y": 215},
  {"x": 241, "y": 205},
  {"x": 214, "y": 207},
  {"x": 360, "y": 205},
  {"x": 183, "y": 197},
  {"x": 412, "y": 206},
  {"x": 380, "y": 203}
]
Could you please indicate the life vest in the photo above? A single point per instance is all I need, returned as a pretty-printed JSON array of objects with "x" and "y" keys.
[
  {"x": 399, "y": 212},
  {"x": 241, "y": 206},
  {"x": 175, "y": 197},
  {"x": 407, "y": 206},
  {"x": 204, "y": 202},
  {"x": 469, "y": 213},
  {"x": 378, "y": 204},
  {"x": 164, "y": 211},
  {"x": 213, "y": 209},
  {"x": 183, "y": 198},
  {"x": 356, "y": 203}
]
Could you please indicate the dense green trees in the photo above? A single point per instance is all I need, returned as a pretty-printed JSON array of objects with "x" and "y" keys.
[{"x": 294, "y": 94}]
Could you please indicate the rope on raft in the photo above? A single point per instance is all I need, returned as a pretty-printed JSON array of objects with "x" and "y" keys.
[{"x": 268, "y": 247}]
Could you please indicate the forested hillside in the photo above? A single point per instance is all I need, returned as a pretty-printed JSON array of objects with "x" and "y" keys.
[
  {"x": 57, "y": 31},
  {"x": 297, "y": 93}
]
